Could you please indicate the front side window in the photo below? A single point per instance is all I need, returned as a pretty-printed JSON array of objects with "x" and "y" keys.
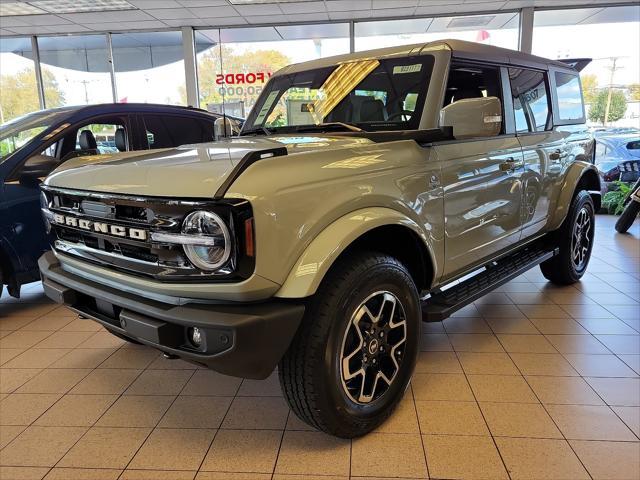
[
  {"x": 530, "y": 100},
  {"x": 570, "y": 108},
  {"x": 104, "y": 136},
  {"x": 173, "y": 131},
  {"x": 371, "y": 94}
]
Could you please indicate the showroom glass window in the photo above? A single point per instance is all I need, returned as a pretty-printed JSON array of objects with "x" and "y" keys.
[
  {"x": 234, "y": 64},
  {"x": 18, "y": 89},
  {"x": 75, "y": 70},
  {"x": 499, "y": 29},
  {"x": 149, "y": 67},
  {"x": 611, "y": 37}
]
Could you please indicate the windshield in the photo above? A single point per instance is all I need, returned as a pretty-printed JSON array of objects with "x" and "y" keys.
[
  {"x": 371, "y": 94},
  {"x": 19, "y": 131}
]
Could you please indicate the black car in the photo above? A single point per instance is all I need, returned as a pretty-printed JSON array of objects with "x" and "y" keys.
[{"x": 35, "y": 144}]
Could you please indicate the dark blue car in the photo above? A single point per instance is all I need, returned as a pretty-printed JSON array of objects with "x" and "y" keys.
[{"x": 33, "y": 145}]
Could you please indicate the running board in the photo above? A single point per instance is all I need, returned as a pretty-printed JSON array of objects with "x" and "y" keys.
[{"x": 442, "y": 303}]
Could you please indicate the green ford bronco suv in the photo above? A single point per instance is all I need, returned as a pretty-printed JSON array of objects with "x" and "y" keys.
[{"x": 367, "y": 193}]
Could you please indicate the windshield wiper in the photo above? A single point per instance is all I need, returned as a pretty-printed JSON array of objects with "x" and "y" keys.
[
  {"x": 328, "y": 126},
  {"x": 256, "y": 131}
]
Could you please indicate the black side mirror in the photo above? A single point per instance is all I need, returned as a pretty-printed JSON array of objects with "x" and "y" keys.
[{"x": 37, "y": 167}]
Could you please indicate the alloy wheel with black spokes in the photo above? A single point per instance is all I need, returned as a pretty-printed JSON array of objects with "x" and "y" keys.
[
  {"x": 581, "y": 239},
  {"x": 373, "y": 347}
]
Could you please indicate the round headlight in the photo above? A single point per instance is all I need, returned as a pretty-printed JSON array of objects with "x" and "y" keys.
[{"x": 210, "y": 246}]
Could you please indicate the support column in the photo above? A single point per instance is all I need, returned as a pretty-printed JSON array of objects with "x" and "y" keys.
[
  {"x": 112, "y": 69},
  {"x": 36, "y": 63},
  {"x": 190, "y": 67},
  {"x": 352, "y": 36},
  {"x": 525, "y": 39}
]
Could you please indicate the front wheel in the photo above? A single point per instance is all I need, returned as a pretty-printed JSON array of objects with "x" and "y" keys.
[
  {"x": 353, "y": 355},
  {"x": 575, "y": 242}
]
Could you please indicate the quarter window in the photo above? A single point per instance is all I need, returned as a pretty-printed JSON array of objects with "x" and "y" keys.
[
  {"x": 530, "y": 100},
  {"x": 570, "y": 108}
]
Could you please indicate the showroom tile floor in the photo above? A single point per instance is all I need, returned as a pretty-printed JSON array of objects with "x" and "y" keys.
[{"x": 532, "y": 382}]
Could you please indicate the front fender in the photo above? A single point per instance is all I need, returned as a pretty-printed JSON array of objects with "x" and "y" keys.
[
  {"x": 311, "y": 267},
  {"x": 579, "y": 173}
]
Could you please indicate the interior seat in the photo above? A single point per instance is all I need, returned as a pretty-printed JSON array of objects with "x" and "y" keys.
[
  {"x": 88, "y": 141},
  {"x": 463, "y": 93},
  {"x": 372, "y": 111},
  {"x": 121, "y": 139}
]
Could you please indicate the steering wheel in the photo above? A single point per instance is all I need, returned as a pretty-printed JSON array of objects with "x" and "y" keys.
[{"x": 407, "y": 113}]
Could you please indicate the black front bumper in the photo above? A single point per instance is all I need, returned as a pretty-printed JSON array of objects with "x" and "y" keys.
[{"x": 243, "y": 340}]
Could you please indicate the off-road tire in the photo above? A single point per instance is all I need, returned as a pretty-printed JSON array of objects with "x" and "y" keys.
[
  {"x": 627, "y": 217},
  {"x": 310, "y": 372},
  {"x": 561, "y": 268}
]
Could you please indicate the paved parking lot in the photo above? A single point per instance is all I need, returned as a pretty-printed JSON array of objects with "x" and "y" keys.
[{"x": 532, "y": 382}]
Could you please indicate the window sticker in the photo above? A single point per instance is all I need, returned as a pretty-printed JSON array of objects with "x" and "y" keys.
[
  {"x": 266, "y": 107},
  {"x": 398, "y": 69}
]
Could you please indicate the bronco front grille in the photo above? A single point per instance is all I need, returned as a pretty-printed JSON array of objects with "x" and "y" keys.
[{"x": 90, "y": 235}]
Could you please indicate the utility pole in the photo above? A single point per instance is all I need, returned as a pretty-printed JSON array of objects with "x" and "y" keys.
[{"x": 610, "y": 87}]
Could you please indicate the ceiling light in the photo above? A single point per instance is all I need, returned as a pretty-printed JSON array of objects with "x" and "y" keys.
[
  {"x": 15, "y": 8},
  {"x": 79, "y": 6},
  {"x": 470, "y": 22}
]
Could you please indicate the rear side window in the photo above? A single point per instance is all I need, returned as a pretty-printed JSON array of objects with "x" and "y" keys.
[
  {"x": 530, "y": 100},
  {"x": 570, "y": 108},
  {"x": 173, "y": 131}
]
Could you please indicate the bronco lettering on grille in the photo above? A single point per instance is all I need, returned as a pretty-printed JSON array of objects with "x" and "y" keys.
[{"x": 101, "y": 227}]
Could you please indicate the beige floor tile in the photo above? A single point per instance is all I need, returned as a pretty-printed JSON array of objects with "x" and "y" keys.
[
  {"x": 47, "y": 323},
  {"x": 137, "y": 411},
  {"x": 386, "y": 455},
  {"x": 181, "y": 413},
  {"x": 40, "y": 446},
  {"x": 9, "y": 432},
  {"x": 617, "y": 391},
  {"x": 501, "y": 388},
  {"x": 105, "y": 448},
  {"x": 551, "y": 364},
  {"x": 403, "y": 420},
  {"x": 77, "y": 410},
  {"x": 173, "y": 449},
  {"x": 587, "y": 311},
  {"x": 435, "y": 342},
  {"x": 559, "y": 326},
  {"x": 23, "y": 473},
  {"x": 313, "y": 453},
  {"x": 607, "y": 326},
  {"x": 64, "y": 340},
  {"x": 451, "y": 418},
  {"x": 37, "y": 358},
  {"x": 30, "y": 310},
  {"x": 530, "y": 298},
  {"x": 577, "y": 344},
  {"x": 465, "y": 325},
  {"x": 540, "y": 459},
  {"x": 157, "y": 475},
  {"x": 130, "y": 358},
  {"x": 283, "y": 476},
  {"x": 564, "y": 390},
  {"x": 441, "y": 386},
  {"x": 106, "y": 381},
  {"x": 243, "y": 451},
  {"x": 512, "y": 326},
  {"x": 23, "y": 409},
  {"x": 528, "y": 420},
  {"x": 269, "y": 387},
  {"x": 208, "y": 382},
  {"x": 241, "y": 476},
  {"x": 630, "y": 416},
  {"x": 589, "y": 422},
  {"x": 81, "y": 325},
  {"x": 12, "y": 323},
  {"x": 163, "y": 363},
  {"x": 475, "y": 342},
  {"x": 599, "y": 365},
  {"x": 487, "y": 363},
  {"x": 526, "y": 344},
  {"x": 84, "y": 474},
  {"x": 499, "y": 311},
  {"x": 83, "y": 358},
  {"x": 13, "y": 378},
  {"x": 7, "y": 354},
  {"x": 545, "y": 310},
  {"x": 438, "y": 362},
  {"x": 294, "y": 423},
  {"x": 480, "y": 460},
  {"x": 102, "y": 339},
  {"x": 258, "y": 413},
  {"x": 609, "y": 460},
  {"x": 621, "y": 344},
  {"x": 22, "y": 339},
  {"x": 52, "y": 380},
  {"x": 159, "y": 382}
]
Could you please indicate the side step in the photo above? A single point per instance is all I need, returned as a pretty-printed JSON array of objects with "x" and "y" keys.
[{"x": 442, "y": 303}]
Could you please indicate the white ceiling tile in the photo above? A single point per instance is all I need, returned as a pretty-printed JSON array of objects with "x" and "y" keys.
[
  {"x": 435, "y": 3},
  {"x": 68, "y": 28},
  {"x": 32, "y": 30},
  {"x": 206, "y": 22},
  {"x": 302, "y": 7},
  {"x": 6, "y": 33},
  {"x": 146, "y": 4},
  {"x": 258, "y": 9},
  {"x": 14, "y": 21},
  {"x": 109, "y": 17},
  {"x": 112, "y": 26},
  {"x": 170, "y": 13},
  {"x": 308, "y": 17},
  {"x": 347, "y": 5},
  {"x": 36, "y": 20},
  {"x": 394, "y": 12},
  {"x": 210, "y": 12},
  {"x": 356, "y": 14},
  {"x": 386, "y": 4},
  {"x": 482, "y": 6},
  {"x": 203, "y": 3},
  {"x": 434, "y": 10},
  {"x": 262, "y": 19}
]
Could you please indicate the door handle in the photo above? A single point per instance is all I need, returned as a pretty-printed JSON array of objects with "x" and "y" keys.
[
  {"x": 557, "y": 155},
  {"x": 508, "y": 165}
]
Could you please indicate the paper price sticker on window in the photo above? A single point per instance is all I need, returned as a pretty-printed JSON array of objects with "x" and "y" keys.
[{"x": 407, "y": 68}]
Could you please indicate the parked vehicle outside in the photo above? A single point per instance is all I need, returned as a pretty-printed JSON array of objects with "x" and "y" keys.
[
  {"x": 614, "y": 150},
  {"x": 367, "y": 193},
  {"x": 33, "y": 145}
]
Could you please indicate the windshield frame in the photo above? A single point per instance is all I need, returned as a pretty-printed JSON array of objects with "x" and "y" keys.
[{"x": 426, "y": 60}]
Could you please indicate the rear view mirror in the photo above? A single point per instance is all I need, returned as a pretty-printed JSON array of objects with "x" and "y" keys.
[
  {"x": 225, "y": 127},
  {"x": 473, "y": 117}
]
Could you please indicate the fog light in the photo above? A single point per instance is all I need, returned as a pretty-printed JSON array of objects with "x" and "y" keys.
[{"x": 196, "y": 336}]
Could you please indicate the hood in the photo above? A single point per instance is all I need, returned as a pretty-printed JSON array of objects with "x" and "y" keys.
[{"x": 190, "y": 171}]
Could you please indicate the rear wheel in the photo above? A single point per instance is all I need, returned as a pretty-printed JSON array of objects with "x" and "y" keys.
[
  {"x": 628, "y": 216},
  {"x": 353, "y": 355},
  {"x": 575, "y": 241}
]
